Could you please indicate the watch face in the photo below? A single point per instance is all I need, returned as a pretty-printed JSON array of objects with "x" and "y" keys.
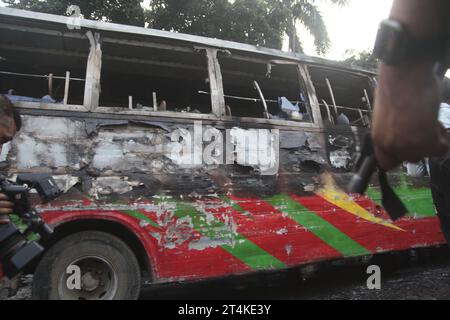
[{"x": 391, "y": 43}]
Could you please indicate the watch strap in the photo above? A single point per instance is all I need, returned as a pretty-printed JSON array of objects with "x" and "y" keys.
[
  {"x": 395, "y": 45},
  {"x": 426, "y": 49}
]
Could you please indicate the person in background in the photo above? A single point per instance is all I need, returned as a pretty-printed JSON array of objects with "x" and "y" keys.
[
  {"x": 10, "y": 124},
  {"x": 444, "y": 110},
  {"x": 440, "y": 169},
  {"x": 422, "y": 168}
]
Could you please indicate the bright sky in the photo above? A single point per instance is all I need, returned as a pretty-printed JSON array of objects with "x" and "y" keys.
[{"x": 351, "y": 27}]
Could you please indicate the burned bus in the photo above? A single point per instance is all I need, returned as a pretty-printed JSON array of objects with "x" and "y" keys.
[{"x": 187, "y": 158}]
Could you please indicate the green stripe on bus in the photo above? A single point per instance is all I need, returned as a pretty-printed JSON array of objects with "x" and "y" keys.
[
  {"x": 232, "y": 204},
  {"x": 418, "y": 201},
  {"x": 242, "y": 248},
  {"x": 317, "y": 225},
  {"x": 140, "y": 216}
]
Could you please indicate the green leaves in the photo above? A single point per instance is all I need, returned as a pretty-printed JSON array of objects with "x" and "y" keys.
[
  {"x": 118, "y": 11},
  {"x": 364, "y": 59},
  {"x": 307, "y": 13},
  {"x": 257, "y": 22}
]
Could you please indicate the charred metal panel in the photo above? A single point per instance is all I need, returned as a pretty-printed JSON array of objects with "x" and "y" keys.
[
  {"x": 342, "y": 147},
  {"x": 109, "y": 158}
]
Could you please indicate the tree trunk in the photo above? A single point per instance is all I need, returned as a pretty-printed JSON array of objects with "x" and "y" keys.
[{"x": 292, "y": 36}]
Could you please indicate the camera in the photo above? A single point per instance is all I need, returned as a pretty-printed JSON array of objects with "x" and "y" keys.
[{"x": 16, "y": 251}]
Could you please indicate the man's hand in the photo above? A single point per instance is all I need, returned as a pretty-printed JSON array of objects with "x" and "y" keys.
[
  {"x": 6, "y": 208},
  {"x": 405, "y": 120}
]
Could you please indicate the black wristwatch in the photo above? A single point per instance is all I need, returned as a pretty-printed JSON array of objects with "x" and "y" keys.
[{"x": 395, "y": 45}]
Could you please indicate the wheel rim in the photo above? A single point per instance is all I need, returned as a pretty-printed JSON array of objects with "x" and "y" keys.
[{"x": 98, "y": 280}]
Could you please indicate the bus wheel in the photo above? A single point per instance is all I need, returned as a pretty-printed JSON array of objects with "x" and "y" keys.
[{"x": 89, "y": 265}]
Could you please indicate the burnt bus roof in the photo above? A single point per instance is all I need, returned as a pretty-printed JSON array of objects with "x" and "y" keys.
[{"x": 22, "y": 20}]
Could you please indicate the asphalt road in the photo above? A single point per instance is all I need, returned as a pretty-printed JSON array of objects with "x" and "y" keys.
[{"x": 414, "y": 275}]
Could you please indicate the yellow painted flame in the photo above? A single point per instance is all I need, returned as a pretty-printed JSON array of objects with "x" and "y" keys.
[{"x": 331, "y": 192}]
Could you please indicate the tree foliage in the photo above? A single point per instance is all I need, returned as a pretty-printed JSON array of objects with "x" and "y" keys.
[
  {"x": 307, "y": 13},
  {"x": 118, "y": 11},
  {"x": 258, "y": 22},
  {"x": 364, "y": 59},
  {"x": 249, "y": 21}
]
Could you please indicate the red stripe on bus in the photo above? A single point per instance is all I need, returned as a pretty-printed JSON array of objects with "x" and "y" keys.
[
  {"x": 184, "y": 262},
  {"x": 276, "y": 233},
  {"x": 375, "y": 237}
]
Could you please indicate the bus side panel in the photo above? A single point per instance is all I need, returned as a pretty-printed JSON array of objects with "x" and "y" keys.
[{"x": 198, "y": 221}]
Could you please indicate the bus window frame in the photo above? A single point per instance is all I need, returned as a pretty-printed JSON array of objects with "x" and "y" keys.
[
  {"x": 304, "y": 79},
  {"x": 370, "y": 78}
]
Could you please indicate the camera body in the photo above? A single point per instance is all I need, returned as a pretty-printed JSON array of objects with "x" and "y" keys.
[{"x": 16, "y": 252}]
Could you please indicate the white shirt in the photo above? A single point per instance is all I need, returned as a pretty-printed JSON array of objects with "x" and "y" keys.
[
  {"x": 418, "y": 170},
  {"x": 444, "y": 115}
]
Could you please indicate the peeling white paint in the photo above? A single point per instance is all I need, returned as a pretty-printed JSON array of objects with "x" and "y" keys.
[
  {"x": 288, "y": 249},
  {"x": 165, "y": 213},
  {"x": 282, "y": 232},
  {"x": 208, "y": 243},
  {"x": 110, "y": 185},
  {"x": 55, "y": 127},
  {"x": 66, "y": 182},
  {"x": 5, "y": 149},
  {"x": 209, "y": 218},
  {"x": 157, "y": 236},
  {"x": 32, "y": 153},
  {"x": 231, "y": 225},
  {"x": 143, "y": 224},
  {"x": 178, "y": 233},
  {"x": 121, "y": 150},
  {"x": 48, "y": 142},
  {"x": 340, "y": 159}
]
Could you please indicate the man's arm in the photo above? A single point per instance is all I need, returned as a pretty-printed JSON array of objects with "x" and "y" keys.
[
  {"x": 405, "y": 120},
  {"x": 6, "y": 207}
]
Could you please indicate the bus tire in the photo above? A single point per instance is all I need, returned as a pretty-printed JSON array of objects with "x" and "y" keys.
[{"x": 102, "y": 267}]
